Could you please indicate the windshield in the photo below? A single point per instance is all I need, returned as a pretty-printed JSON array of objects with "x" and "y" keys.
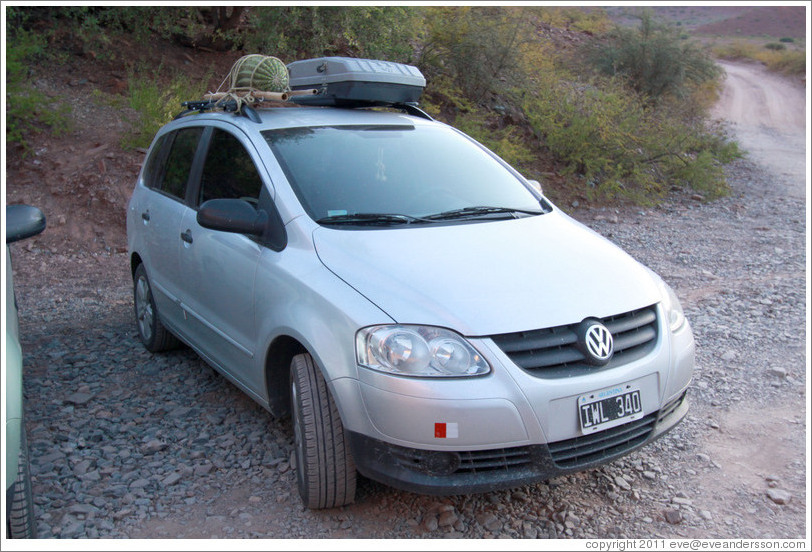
[{"x": 403, "y": 172}]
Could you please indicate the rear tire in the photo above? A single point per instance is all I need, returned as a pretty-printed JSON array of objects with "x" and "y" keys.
[
  {"x": 21, "y": 523},
  {"x": 325, "y": 469},
  {"x": 152, "y": 332}
]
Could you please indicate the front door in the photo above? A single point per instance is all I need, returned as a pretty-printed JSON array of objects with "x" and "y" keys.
[{"x": 219, "y": 268}]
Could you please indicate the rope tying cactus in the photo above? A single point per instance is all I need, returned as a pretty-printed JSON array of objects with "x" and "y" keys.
[{"x": 254, "y": 77}]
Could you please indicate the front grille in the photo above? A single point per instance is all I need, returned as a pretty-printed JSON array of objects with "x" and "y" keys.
[
  {"x": 599, "y": 446},
  {"x": 445, "y": 463},
  {"x": 553, "y": 352},
  {"x": 499, "y": 459}
]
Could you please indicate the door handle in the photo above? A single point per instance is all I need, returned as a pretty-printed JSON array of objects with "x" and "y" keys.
[
  {"x": 145, "y": 216},
  {"x": 186, "y": 236}
]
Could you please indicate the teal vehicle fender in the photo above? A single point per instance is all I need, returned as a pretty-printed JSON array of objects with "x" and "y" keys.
[
  {"x": 14, "y": 379},
  {"x": 14, "y": 401}
]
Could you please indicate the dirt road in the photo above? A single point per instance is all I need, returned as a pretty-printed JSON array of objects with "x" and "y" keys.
[{"x": 768, "y": 116}]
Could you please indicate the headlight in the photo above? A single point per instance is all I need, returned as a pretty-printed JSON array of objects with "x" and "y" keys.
[
  {"x": 420, "y": 351},
  {"x": 673, "y": 310}
]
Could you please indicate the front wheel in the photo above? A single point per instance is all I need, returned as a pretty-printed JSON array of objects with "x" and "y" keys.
[{"x": 325, "y": 469}]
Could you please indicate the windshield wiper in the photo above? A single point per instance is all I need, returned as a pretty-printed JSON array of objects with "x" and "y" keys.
[
  {"x": 473, "y": 212},
  {"x": 386, "y": 219},
  {"x": 369, "y": 218}
]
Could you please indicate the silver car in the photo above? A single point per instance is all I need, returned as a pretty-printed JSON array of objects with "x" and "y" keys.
[{"x": 427, "y": 317}]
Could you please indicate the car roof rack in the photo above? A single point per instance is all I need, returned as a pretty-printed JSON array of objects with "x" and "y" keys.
[
  {"x": 249, "y": 112},
  {"x": 329, "y": 82},
  {"x": 230, "y": 106}
]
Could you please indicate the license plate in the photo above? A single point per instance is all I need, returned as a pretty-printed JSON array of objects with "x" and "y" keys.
[{"x": 609, "y": 408}]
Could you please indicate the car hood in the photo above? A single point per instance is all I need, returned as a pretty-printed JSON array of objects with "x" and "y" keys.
[{"x": 491, "y": 277}]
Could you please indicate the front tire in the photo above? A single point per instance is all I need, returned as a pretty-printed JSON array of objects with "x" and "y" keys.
[
  {"x": 20, "y": 522},
  {"x": 151, "y": 331},
  {"x": 325, "y": 469}
]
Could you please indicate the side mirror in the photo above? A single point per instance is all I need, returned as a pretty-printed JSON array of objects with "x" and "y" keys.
[
  {"x": 240, "y": 217},
  {"x": 232, "y": 215},
  {"x": 536, "y": 185},
  {"x": 23, "y": 221}
]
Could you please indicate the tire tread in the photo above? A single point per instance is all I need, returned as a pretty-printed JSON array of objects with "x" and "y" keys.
[
  {"x": 21, "y": 522},
  {"x": 330, "y": 476}
]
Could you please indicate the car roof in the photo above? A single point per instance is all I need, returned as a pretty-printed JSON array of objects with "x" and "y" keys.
[{"x": 293, "y": 117}]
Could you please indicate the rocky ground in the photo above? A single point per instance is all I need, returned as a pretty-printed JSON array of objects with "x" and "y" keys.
[
  {"x": 126, "y": 444},
  {"x": 129, "y": 444}
]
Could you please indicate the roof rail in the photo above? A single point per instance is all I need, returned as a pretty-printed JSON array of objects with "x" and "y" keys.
[
  {"x": 412, "y": 109},
  {"x": 251, "y": 114},
  {"x": 230, "y": 106}
]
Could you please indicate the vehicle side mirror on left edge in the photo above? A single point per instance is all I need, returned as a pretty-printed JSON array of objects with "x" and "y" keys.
[
  {"x": 240, "y": 217},
  {"x": 23, "y": 221}
]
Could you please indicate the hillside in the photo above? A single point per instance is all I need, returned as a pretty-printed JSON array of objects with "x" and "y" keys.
[
  {"x": 82, "y": 179},
  {"x": 763, "y": 21},
  {"x": 724, "y": 21}
]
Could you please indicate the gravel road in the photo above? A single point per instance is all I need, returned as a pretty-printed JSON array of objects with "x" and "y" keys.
[{"x": 126, "y": 444}]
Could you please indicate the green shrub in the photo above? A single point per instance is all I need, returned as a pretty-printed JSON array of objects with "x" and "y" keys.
[
  {"x": 476, "y": 47},
  {"x": 588, "y": 130},
  {"x": 775, "y": 46},
  {"x": 93, "y": 28},
  {"x": 653, "y": 59},
  {"x": 445, "y": 100},
  {"x": 631, "y": 135},
  {"x": 298, "y": 32},
  {"x": 157, "y": 104},
  {"x": 622, "y": 149},
  {"x": 786, "y": 39},
  {"x": 505, "y": 142},
  {"x": 593, "y": 22},
  {"x": 27, "y": 109},
  {"x": 788, "y": 62},
  {"x": 738, "y": 49}
]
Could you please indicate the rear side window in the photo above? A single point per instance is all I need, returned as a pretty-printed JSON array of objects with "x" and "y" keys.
[
  {"x": 229, "y": 171},
  {"x": 173, "y": 178},
  {"x": 153, "y": 171}
]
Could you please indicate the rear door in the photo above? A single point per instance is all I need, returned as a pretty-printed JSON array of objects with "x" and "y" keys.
[
  {"x": 169, "y": 173},
  {"x": 219, "y": 268}
]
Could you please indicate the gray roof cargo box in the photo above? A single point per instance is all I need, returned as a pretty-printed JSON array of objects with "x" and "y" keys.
[{"x": 353, "y": 82}]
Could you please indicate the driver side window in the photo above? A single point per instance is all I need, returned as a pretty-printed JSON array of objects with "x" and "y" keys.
[{"x": 229, "y": 172}]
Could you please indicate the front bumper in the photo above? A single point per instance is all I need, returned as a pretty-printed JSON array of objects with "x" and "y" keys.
[{"x": 454, "y": 472}]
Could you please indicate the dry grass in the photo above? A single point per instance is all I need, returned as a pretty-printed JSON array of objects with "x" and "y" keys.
[{"x": 791, "y": 61}]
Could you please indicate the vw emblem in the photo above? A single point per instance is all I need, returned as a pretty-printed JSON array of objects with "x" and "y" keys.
[{"x": 596, "y": 342}]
